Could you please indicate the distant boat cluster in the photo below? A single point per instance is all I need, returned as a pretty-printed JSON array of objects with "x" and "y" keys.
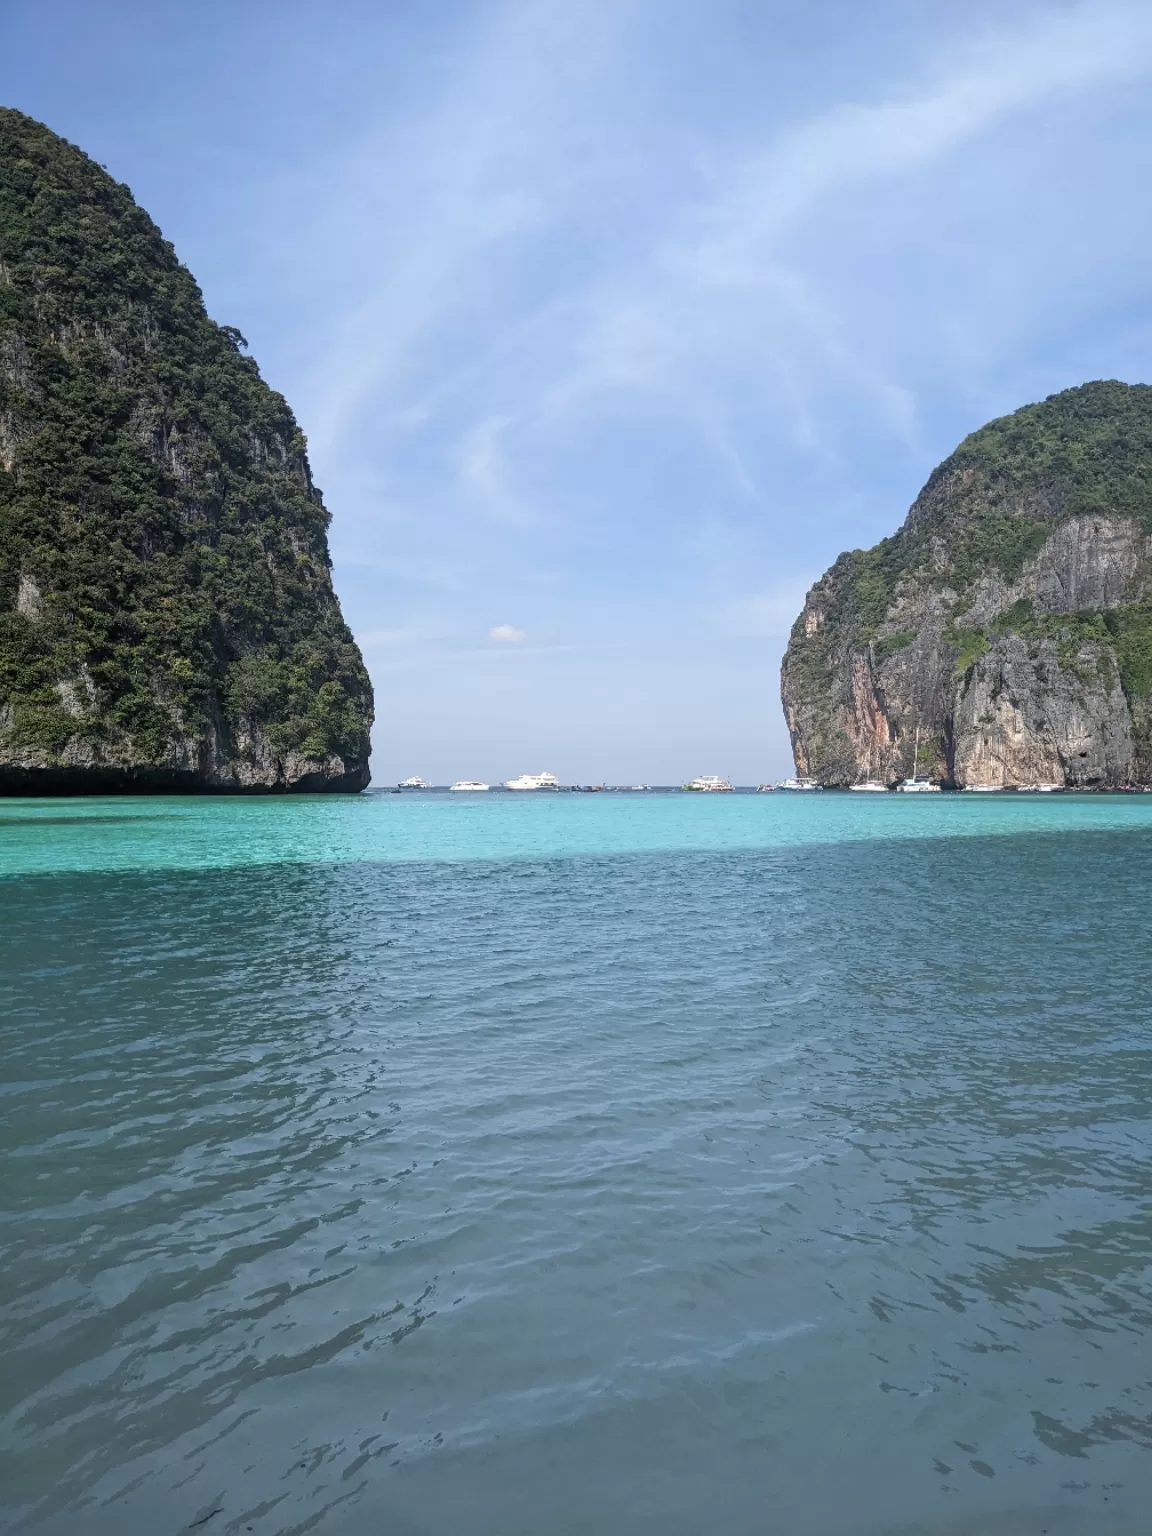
[
  {"x": 474, "y": 786},
  {"x": 713, "y": 784},
  {"x": 705, "y": 783}
]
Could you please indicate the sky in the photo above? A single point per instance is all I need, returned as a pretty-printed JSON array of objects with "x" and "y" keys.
[{"x": 611, "y": 323}]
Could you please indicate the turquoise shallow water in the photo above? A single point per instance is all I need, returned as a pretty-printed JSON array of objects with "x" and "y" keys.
[
  {"x": 576, "y": 1163},
  {"x": 183, "y": 833}
]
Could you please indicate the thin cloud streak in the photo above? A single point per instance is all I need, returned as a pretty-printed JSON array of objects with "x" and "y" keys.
[
  {"x": 484, "y": 474},
  {"x": 719, "y": 291},
  {"x": 480, "y": 177},
  {"x": 720, "y": 301}
]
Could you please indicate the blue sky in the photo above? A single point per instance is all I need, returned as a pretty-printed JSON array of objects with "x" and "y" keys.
[{"x": 611, "y": 323}]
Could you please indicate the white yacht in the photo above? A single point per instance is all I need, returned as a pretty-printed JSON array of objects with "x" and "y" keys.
[
  {"x": 709, "y": 784},
  {"x": 470, "y": 785},
  {"x": 415, "y": 782},
  {"x": 533, "y": 781},
  {"x": 870, "y": 787},
  {"x": 798, "y": 784},
  {"x": 984, "y": 789}
]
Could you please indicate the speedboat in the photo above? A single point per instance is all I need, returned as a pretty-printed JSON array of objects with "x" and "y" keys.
[
  {"x": 469, "y": 785},
  {"x": 709, "y": 784},
  {"x": 983, "y": 789},
  {"x": 870, "y": 787},
  {"x": 533, "y": 781},
  {"x": 765, "y": 789},
  {"x": 798, "y": 784}
]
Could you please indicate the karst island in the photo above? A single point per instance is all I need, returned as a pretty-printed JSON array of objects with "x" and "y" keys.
[
  {"x": 1003, "y": 636},
  {"x": 167, "y": 616}
]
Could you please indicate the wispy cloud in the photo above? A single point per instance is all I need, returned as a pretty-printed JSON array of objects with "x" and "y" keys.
[
  {"x": 448, "y": 192},
  {"x": 484, "y": 473},
  {"x": 720, "y": 310},
  {"x": 507, "y": 634},
  {"x": 724, "y": 294}
]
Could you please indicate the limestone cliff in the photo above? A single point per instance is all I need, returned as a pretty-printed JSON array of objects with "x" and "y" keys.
[
  {"x": 1007, "y": 624},
  {"x": 167, "y": 618}
]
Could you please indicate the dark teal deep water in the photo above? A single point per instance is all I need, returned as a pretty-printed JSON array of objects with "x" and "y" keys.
[{"x": 576, "y": 1164}]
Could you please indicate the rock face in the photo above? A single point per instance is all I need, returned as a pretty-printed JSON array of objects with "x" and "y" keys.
[
  {"x": 1008, "y": 624},
  {"x": 167, "y": 618}
]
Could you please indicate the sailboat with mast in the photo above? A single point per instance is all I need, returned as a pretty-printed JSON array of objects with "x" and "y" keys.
[
  {"x": 870, "y": 785},
  {"x": 918, "y": 784}
]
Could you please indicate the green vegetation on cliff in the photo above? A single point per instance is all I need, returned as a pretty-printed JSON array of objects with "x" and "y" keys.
[
  {"x": 993, "y": 502},
  {"x": 1126, "y": 630},
  {"x": 164, "y": 569}
]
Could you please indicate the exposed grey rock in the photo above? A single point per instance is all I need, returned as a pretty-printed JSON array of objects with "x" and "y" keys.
[{"x": 1020, "y": 717}]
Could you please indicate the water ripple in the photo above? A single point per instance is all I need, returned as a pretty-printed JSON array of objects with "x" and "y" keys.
[{"x": 803, "y": 1188}]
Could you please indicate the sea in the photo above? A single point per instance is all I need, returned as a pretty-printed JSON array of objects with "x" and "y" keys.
[{"x": 556, "y": 1164}]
